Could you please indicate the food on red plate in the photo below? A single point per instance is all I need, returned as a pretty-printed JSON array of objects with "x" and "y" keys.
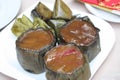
[
  {"x": 31, "y": 47},
  {"x": 66, "y": 62},
  {"x": 110, "y": 4},
  {"x": 90, "y": 1},
  {"x": 82, "y": 33}
]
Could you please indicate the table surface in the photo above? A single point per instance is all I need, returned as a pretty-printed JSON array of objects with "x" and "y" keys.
[{"x": 110, "y": 69}]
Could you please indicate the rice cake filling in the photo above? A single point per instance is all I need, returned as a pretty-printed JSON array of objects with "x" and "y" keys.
[
  {"x": 36, "y": 39},
  {"x": 78, "y": 32},
  {"x": 64, "y": 59}
]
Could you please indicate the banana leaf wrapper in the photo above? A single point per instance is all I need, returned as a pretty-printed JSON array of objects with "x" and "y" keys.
[
  {"x": 56, "y": 24},
  {"x": 42, "y": 11},
  {"x": 31, "y": 59},
  {"x": 80, "y": 73},
  {"x": 24, "y": 23},
  {"x": 92, "y": 48},
  {"x": 40, "y": 23},
  {"x": 21, "y": 25},
  {"x": 61, "y": 10}
]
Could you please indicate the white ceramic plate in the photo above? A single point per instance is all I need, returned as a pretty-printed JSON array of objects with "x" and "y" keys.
[
  {"x": 8, "y": 11},
  {"x": 103, "y": 14},
  {"x": 9, "y": 63}
]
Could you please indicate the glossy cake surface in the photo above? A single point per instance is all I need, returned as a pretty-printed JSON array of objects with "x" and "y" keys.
[
  {"x": 79, "y": 32},
  {"x": 60, "y": 58},
  {"x": 35, "y": 39}
]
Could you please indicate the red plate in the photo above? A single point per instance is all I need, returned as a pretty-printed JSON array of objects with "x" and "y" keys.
[{"x": 111, "y": 4}]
